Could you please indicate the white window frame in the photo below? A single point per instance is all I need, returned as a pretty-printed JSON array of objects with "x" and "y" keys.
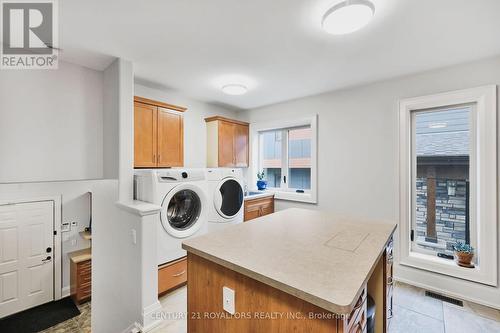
[
  {"x": 309, "y": 196},
  {"x": 483, "y": 175}
]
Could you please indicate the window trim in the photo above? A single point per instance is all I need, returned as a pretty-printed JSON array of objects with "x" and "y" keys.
[
  {"x": 485, "y": 100},
  {"x": 309, "y": 196}
]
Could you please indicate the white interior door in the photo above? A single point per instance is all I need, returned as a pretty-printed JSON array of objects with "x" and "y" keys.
[{"x": 26, "y": 256}]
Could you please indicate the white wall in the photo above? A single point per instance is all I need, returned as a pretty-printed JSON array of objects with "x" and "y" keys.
[
  {"x": 51, "y": 124},
  {"x": 195, "y": 136},
  {"x": 357, "y": 152}
]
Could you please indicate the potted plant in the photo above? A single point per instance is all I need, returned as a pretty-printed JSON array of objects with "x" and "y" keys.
[
  {"x": 463, "y": 254},
  {"x": 261, "y": 182}
]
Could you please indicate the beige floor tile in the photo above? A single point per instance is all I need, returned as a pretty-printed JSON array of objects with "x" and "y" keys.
[
  {"x": 408, "y": 321},
  {"x": 413, "y": 298},
  {"x": 462, "y": 321}
]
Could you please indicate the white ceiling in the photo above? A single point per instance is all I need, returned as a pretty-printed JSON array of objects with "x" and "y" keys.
[{"x": 277, "y": 45}]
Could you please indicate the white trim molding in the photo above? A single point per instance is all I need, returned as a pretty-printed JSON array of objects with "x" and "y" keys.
[
  {"x": 307, "y": 197},
  {"x": 484, "y": 182}
]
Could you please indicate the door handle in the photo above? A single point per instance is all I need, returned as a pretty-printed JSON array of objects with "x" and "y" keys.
[{"x": 49, "y": 258}]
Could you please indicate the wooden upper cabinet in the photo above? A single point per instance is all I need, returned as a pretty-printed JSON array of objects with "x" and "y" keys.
[
  {"x": 145, "y": 135},
  {"x": 241, "y": 145},
  {"x": 227, "y": 142},
  {"x": 158, "y": 134},
  {"x": 170, "y": 138}
]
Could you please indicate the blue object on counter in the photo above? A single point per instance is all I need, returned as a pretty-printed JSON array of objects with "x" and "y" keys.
[{"x": 261, "y": 185}]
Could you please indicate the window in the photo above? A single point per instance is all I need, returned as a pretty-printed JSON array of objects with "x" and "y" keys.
[
  {"x": 448, "y": 181},
  {"x": 287, "y": 155},
  {"x": 441, "y": 153}
]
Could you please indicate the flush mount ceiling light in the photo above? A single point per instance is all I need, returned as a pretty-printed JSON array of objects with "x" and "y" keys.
[
  {"x": 234, "y": 89},
  {"x": 348, "y": 16}
]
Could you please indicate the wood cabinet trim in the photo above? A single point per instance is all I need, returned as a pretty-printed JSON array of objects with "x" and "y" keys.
[
  {"x": 229, "y": 120},
  {"x": 159, "y": 104}
]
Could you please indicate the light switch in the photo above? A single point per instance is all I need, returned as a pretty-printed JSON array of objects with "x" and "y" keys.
[{"x": 228, "y": 300}]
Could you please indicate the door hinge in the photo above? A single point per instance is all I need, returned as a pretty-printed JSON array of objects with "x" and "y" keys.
[
  {"x": 412, "y": 235},
  {"x": 55, "y": 233}
]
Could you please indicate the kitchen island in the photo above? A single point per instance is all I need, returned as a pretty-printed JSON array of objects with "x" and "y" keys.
[{"x": 296, "y": 270}]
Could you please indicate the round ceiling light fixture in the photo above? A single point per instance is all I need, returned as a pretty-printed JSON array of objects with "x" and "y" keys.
[
  {"x": 348, "y": 16},
  {"x": 234, "y": 89}
]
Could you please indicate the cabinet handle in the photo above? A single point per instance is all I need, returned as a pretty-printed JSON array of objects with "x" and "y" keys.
[
  {"x": 154, "y": 158},
  {"x": 159, "y": 158},
  {"x": 179, "y": 274}
]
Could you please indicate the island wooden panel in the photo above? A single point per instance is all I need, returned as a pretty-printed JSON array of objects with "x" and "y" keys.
[{"x": 255, "y": 304}]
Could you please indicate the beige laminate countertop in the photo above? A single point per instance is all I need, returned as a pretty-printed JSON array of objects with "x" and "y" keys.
[
  {"x": 80, "y": 255},
  {"x": 313, "y": 255}
]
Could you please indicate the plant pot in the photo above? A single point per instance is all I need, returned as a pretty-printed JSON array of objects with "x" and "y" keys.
[
  {"x": 261, "y": 185},
  {"x": 464, "y": 259}
]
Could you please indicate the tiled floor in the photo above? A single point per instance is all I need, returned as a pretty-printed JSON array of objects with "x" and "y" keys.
[
  {"x": 413, "y": 312},
  {"x": 78, "y": 324}
]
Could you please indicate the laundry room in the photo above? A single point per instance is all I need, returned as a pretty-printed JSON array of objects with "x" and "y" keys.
[{"x": 249, "y": 166}]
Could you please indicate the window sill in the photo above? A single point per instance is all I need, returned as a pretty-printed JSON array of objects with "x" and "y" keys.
[
  {"x": 293, "y": 196},
  {"x": 448, "y": 267}
]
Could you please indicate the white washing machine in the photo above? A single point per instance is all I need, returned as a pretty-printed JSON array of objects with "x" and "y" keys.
[
  {"x": 225, "y": 194},
  {"x": 182, "y": 195}
]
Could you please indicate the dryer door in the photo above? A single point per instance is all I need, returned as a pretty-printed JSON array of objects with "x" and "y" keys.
[
  {"x": 182, "y": 210},
  {"x": 228, "y": 199}
]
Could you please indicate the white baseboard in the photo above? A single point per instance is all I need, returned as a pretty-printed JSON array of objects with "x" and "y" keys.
[
  {"x": 65, "y": 292},
  {"x": 133, "y": 328},
  {"x": 446, "y": 293},
  {"x": 149, "y": 322}
]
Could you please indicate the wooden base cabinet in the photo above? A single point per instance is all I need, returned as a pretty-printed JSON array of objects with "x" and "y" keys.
[
  {"x": 80, "y": 276},
  {"x": 258, "y": 207},
  {"x": 158, "y": 134},
  {"x": 227, "y": 142},
  {"x": 172, "y": 276}
]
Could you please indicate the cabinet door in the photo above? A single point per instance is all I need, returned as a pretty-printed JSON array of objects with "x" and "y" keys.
[
  {"x": 170, "y": 138},
  {"x": 267, "y": 208},
  {"x": 251, "y": 213},
  {"x": 145, "y": 117},
  {"x": 226, "y": 144},
  {"x": 241, "y": 145}
]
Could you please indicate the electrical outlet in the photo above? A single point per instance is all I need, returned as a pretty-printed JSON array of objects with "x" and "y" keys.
[
  {"x": 228, "y": 300},
  {"x": 73, "y": 242}
]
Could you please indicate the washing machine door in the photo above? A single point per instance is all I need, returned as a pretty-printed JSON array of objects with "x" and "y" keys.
[
  {"x": 228, "y": 198},
  {"x": 182, "y": 210}
]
